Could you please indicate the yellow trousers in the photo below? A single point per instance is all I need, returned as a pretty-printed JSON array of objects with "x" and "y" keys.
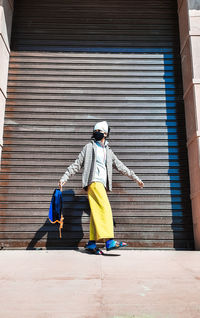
[{"x": 101, "y": 220}]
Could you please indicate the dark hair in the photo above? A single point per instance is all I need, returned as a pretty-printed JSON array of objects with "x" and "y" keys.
[{"x": 108, "y": 131}]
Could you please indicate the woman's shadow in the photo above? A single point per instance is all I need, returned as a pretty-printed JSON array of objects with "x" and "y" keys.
[{"x": 76, "y": 213}]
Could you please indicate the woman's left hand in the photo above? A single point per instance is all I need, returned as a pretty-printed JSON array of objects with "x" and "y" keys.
[{"x": 141, "y": 184}]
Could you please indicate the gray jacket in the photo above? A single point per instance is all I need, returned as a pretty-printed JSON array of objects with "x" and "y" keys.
[{"x": 87, "y": 159}]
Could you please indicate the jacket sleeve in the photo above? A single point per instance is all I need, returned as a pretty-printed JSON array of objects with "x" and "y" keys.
[
  {"x": 74, "y": 167},
  {"x": 119, "y": 166}
]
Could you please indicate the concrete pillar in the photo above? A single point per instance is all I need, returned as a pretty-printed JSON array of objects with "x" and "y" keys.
[
  {"x": 189, "y": 25},
  {"x": 6, "y": 12}
]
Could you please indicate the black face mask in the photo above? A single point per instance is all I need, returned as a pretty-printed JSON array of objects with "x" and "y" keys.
[{"x": 98, "y": 135}]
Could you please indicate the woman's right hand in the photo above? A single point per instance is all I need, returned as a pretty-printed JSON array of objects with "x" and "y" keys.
[{"x": 61, "y": 184}]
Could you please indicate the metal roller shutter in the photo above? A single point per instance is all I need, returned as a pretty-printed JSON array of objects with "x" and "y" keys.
[{"x": 74, "y": 63}]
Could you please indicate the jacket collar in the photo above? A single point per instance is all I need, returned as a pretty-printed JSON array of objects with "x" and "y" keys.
[{"x": 94, "y": 142}]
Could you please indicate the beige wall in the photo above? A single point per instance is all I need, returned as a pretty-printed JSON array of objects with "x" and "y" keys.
[
  {"x": 189, "y": 25},
  {"x": 6, "y": 12}
]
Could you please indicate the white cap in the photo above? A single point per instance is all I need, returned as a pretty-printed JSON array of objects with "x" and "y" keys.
[{"x": 102, "y": 125}]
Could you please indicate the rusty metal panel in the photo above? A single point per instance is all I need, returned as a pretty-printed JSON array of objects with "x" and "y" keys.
[{"x": 77, "y": 62}]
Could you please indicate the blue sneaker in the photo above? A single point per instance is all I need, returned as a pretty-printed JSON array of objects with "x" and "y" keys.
[
  {"x": 90, "y": 245},
  {"x": 93, "y": 249},
  {"x": 112, "y": 244}
]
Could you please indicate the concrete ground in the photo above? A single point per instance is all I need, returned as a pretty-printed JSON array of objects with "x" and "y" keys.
[{"x": 68, "y": 284}]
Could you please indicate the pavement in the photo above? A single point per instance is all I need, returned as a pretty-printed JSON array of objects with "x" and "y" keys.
[{"x": 121, "y": 284}]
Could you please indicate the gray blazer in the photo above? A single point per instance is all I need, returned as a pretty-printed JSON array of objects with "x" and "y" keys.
[{"x": 87, "y": 159}]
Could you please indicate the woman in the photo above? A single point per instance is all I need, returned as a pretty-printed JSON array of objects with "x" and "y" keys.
[{"x": 98, "y": 159}]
